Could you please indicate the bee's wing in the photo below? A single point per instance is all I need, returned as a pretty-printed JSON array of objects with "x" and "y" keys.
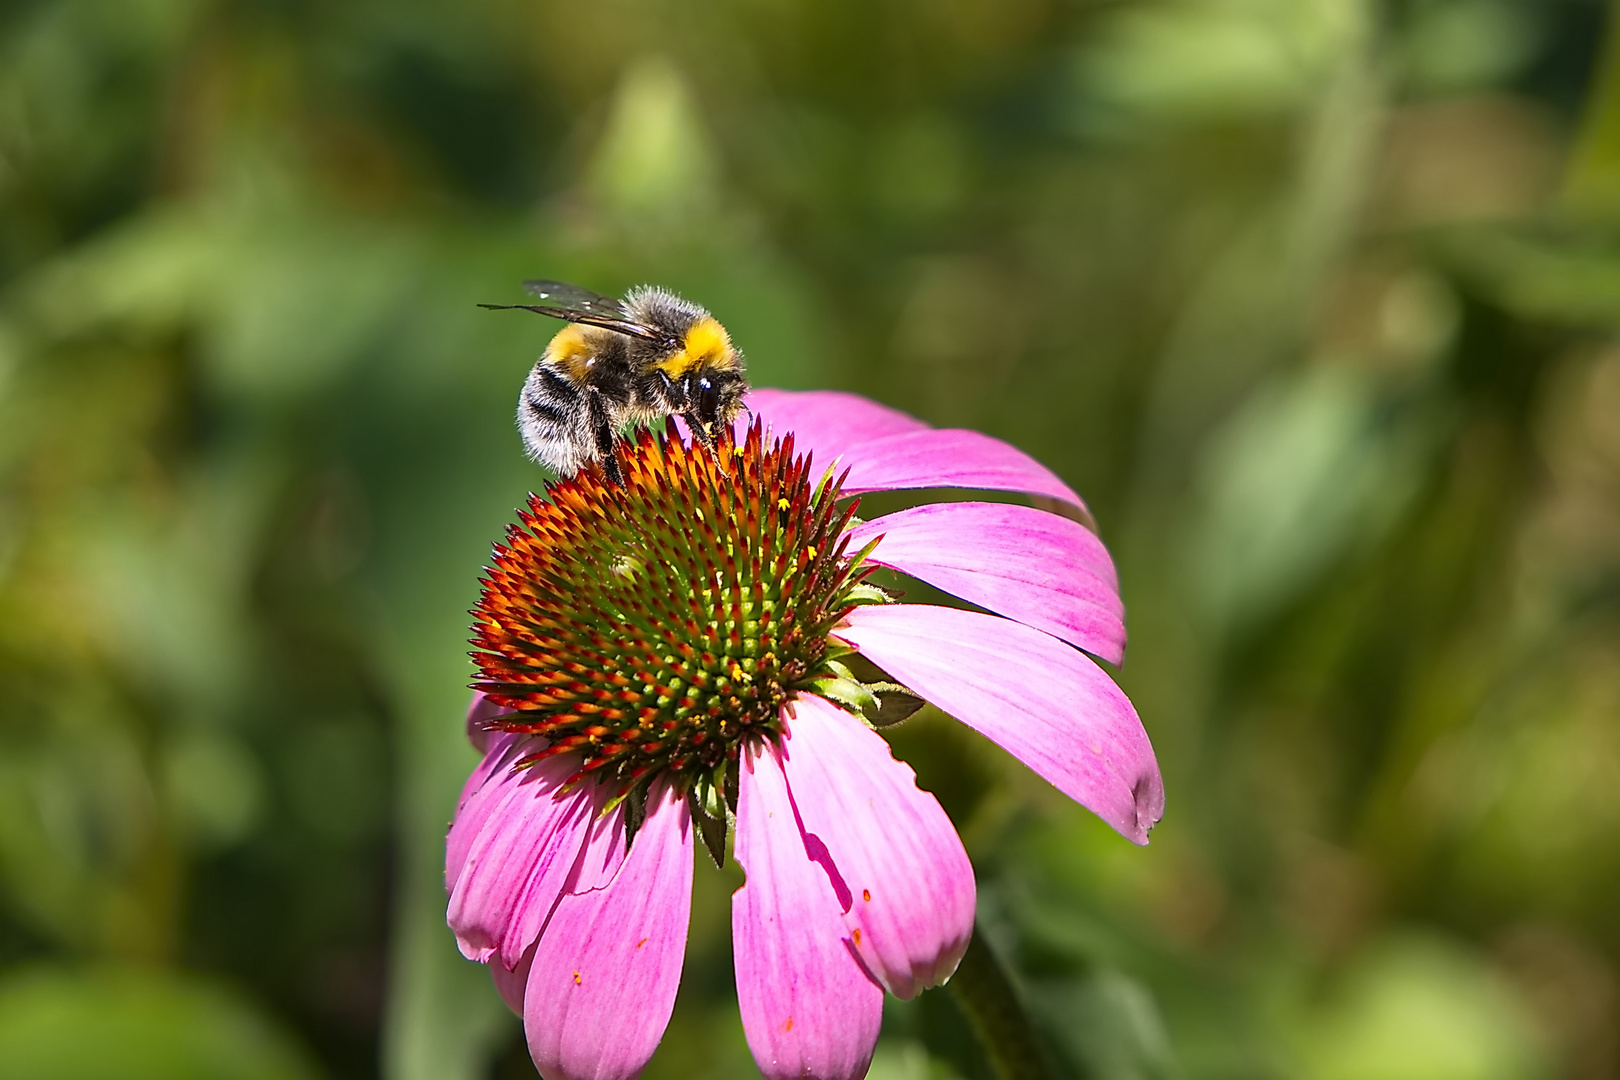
[
  {"x": 563, "y": 301},
  {"x": 574, "y": 298}
]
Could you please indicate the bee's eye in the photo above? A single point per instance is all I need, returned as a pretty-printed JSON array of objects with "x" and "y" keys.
[{"x": 707, "y": 404}]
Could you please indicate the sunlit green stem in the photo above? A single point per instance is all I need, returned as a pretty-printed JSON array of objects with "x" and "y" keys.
[{"x": 986, "y": 997}]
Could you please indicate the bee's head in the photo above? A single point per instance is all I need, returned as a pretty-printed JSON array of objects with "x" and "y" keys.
[
  {"x": 713, "y": 398},
  {"x": 712, "y": 382}
]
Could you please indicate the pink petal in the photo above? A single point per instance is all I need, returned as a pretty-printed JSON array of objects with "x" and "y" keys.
[
  {"x": 510, "y": 984},
  {"x": 604, "y": 849},
  {"x": 480, "y": 796},
  {"x": 1048, "y": 705},
  {"x": 520, "y": 861},
  {"x": 1031, "y": 566},
  {"x": 808, "y": 1007},
  {"x": 907, "y": 892},
  {"x": 887, "y": 449},
  {"x": 607, "y": 967},
  {"x": 949, "y": 458},
  {"x": 479, "y": 712},
  {"x": 827, "y": 422}
]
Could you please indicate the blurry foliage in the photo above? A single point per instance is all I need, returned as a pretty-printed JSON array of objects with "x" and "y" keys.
[
  {"x": 1318, "y": 301},
  {"x": 130, "y": 1025}
]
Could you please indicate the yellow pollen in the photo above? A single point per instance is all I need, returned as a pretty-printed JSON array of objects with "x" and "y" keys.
[
  {"x": 576, "y": 979},
  {"x": 812, "y": 551},
  {"x": 866, "y": 894},
  {"x": 782, "y": 504},
  {"x": 857, "y": 935}
]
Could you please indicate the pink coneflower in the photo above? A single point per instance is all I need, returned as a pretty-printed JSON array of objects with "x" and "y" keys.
[{"x": 656, "y": 652}]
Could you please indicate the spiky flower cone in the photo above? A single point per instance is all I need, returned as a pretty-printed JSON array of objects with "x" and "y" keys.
[{"x": 656, "y": 625}]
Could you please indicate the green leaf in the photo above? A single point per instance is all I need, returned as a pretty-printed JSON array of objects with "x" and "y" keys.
[
  {"x": 634, "y": 799},
  {"x": 895, "y": 703},
  {"x": 849, "y": 693},
  {"x": 709, "y": 811},
  {"x": 867, "y": 593},
  {"x": 57, "y": 1024}
]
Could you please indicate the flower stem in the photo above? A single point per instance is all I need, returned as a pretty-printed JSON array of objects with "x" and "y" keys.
[{"x": 986, "y": 997}]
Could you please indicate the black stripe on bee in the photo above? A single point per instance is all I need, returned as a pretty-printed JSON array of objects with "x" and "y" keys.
[
  {"x": 559, "y": 385},
  {"x": 540, "y": 410}
]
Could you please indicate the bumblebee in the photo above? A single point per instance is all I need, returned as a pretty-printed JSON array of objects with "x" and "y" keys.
[{"x": 619, "y": 362}]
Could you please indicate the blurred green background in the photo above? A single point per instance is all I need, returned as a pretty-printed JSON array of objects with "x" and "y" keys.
[{"x": 1316, "y": 301}]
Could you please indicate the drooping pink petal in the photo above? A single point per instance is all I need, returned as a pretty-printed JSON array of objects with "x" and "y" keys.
[
  {"x": 480, "y": 796},
  {"x": 604, "y": 850},
  {"x": 1026, "y": 564},
  {"x": 605, "y": 971},
  {"x": 510, "y": 984},
  {"x": 1047, "y": 704},
  {"x": 809, "y": 1009},
  {"x": 888, "y": 450},
  {"x": 907, "y": 885},
  {"x": 479, "y": 713},
  {"x": 949, "y": 458},
  {"x": 826, "y": 422},
  {"x": 520, "y": 861}
]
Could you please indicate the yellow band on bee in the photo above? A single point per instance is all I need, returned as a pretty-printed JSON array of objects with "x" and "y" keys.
[
  {"x": 570, "y": 350},
  {"x": 707, "y": 345}
]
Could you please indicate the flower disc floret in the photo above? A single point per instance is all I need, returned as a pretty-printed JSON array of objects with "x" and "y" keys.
[{"x": 658, "y": 624}]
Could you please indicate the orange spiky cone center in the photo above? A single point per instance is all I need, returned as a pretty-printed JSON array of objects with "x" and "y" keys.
[{"x": 658, "y": 624}]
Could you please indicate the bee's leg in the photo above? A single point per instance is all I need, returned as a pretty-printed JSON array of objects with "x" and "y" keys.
[{"x": 602, "y": 430}]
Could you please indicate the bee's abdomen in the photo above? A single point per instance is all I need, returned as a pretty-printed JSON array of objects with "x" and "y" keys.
[
  {"x": 546, "y": 413},
  {"x": 553, "y": 419}
]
